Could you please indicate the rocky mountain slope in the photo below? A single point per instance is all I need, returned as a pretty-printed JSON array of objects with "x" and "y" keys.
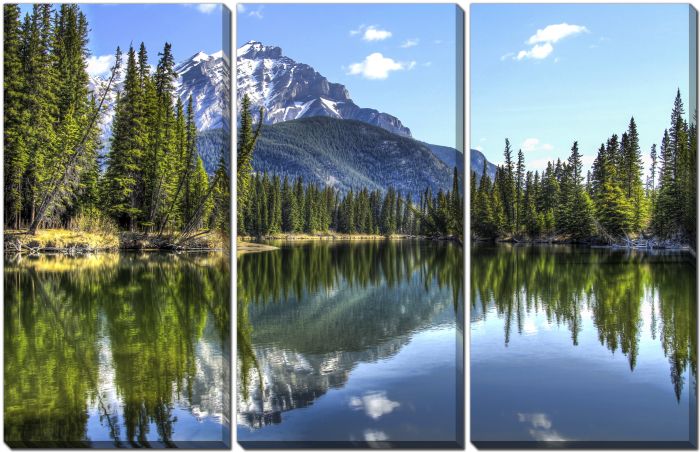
[{"x": 289, "y": 90}]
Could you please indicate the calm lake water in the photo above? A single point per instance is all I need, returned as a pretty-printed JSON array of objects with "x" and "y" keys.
[
  {"x": 582, "y": 345},
  {"x": 350, "y": 344},
  {"x": 126, "y": 350}
]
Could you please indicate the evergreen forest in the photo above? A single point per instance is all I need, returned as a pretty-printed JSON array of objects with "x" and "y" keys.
[
  {"x": 151, "y": 180},
  {"x": 613, "y": 200}
]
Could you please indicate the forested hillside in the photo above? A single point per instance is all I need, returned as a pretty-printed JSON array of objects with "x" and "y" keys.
[
  {"x": 275, "y": 203},
  {"x": 347, "y": 154},
  {"x": 614, "y": 199}
]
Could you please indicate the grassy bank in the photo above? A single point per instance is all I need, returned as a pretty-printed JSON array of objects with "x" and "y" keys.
[
  {"x": 68, "y": 241},
  {"x": 251, "y": 247}
]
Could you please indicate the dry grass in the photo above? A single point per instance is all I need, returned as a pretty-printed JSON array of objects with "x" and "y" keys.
[
  {"x": 63, "y": 238},
  {"x": 248, "y": 247}
]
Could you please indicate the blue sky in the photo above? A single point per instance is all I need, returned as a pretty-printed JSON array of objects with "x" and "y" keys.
[
  {"x": 416, "y": 43},
  {"x": 544, "y": 75},
  {"x": 189, "y": 28}
]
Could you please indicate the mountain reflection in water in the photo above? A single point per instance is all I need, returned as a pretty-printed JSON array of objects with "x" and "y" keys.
[{"x": 310, "y": 314}]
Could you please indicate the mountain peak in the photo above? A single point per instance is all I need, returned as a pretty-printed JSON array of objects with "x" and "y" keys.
[
  {"x": 199, "y": 56},
  {"x": 255, "y": 50},
  {"x": 288, "y": 90}
]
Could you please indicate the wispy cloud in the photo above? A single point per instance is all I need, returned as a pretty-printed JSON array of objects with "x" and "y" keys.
[
  {"x": 206, "y": 8},
  {"x": 554, "y": 33},
  {"x": 538, "y": 52},
  {"x": 377, "y": 67},
  {"x": 375, "y": 435},
  {"x": 543, "y": 39},
  {"x": 358, "y": 30},
  {"x": 534, "y": 144},
  {"x": 240, "y": 8},
  {"x": 541, "y": 427},
  {"x": 99, "y": 65},
  {"x": 375, "y": 34},
  {"x": 371, "y": 33},
  {"x": 257, "y": 13},
  {"x": 410, "y": 43},
  {"x": 507, "y": 55}
]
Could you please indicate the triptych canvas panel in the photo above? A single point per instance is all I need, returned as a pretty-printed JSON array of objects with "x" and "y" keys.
[{"x": 313, "y": 291}]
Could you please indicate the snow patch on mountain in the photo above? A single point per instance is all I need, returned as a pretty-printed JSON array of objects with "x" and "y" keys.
[
  {"x": 202, "y": 76},
  {"x": 288, "y": 90}
]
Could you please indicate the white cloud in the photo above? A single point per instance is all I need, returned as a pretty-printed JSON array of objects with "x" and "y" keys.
[
  {"x": 99, "y": 65},
  {"x": 206, "y": 8},
  {"x": 375, "y": 435},
  {"x": 541, "y": 427},
  {"x": 257, "y": 12},
  {"x": 378, "y": 67},
  {"x": 240, "y": 8},
  {"x": 438, "y": 41},
  {"x": 553, "y": 33},
  {"x": 507, "y": 55},
  {"x": 410, "y": 43},
  {"x": 538, "y": 52},
  {"x": 543, "y": 39},
  {"x": 375, "y": 34},
  {"x": 371, "y": 33},
  {"x": 536, "y": 419},
  {"x": 428, "y": 63},
  {"x": 375, "y": 404},
  {"x": 358, "y": 30},
  {"x": 534, "y": 144}
]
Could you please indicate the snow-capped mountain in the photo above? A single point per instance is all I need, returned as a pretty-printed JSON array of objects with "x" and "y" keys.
[
  {"x": 202, "y": 76},
  {"x": 205, "y": 77},
  {"x": 289, "y": 90}
]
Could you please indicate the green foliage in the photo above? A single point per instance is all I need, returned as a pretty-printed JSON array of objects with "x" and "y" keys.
[
  {"x": 294, "y": 207},
  {"x": 153, "y": 178},
  {"x": 610, "y": 203}
]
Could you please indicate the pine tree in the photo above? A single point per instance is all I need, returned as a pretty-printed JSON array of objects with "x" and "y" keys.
[
  {"x": 612, "y": 208},
  {"x": 14, "y": 116},
  {"x": 388, "y": 220},
  {"x": 247, "y": 136},
  {"x": 508, "y": 192},
  {"x": 41, "y": 86},
  {"x": 126, "y": 154},
  {"x": 519, "y": 175}
]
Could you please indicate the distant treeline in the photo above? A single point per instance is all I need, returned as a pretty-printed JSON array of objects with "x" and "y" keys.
[
  {"x": 610, "y": 201},
  {"x": 280, "y": 205},
  {"x": 154, "y": 177}
]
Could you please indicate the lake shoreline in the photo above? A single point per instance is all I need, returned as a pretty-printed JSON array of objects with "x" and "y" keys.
[
  {"x": 333, "y": 236},
  {"x": 63, "y": 241},
  {"x": 670, "y": 246}
]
